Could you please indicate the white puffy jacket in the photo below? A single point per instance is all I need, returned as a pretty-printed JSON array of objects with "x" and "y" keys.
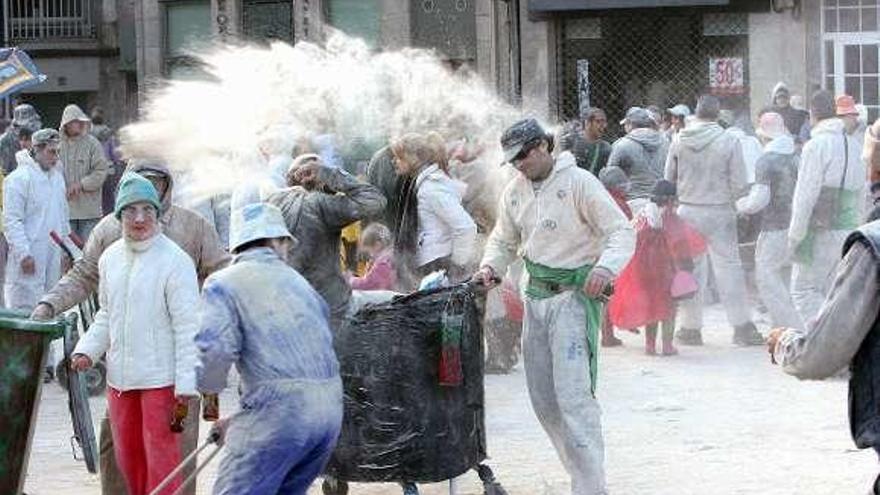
[
  {"x": 445, "y": 228},
  {"x": 149, "y": 297}
]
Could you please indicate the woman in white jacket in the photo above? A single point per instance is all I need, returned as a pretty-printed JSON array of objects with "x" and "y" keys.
[
  {"x": 148, "y": 294},
  {"x": 446, "y": 233}
]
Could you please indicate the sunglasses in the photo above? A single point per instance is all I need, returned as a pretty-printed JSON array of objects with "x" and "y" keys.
[{"x": 524, "y": 151}]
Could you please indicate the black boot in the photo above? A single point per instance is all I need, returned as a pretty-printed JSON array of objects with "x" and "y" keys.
[
  {"x": 747, "y": 335},
  {"x": 689, "y": 336}
]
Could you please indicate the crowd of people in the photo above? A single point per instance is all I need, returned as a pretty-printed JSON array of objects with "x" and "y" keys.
[{"x": 587, "y": 237}]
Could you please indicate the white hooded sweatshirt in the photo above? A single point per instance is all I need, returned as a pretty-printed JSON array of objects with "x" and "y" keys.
[
  {"x": 823, "y": 161},
  {"x": 34, "y": 204},
  {"x": 571, "y": 221}
]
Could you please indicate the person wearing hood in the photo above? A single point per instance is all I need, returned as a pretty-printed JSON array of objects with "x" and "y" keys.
[
  {"x": 828, "y": 204},
  {"x": 751, "y": 146},
  {"x": 641, "y": 154},
  {"x": 146, "y": 325},
  {"x": 706, "y": 165},
  {"x": 85, "y": 169},
  {"x": 320, "y": 201},
  {"x": 265, "y": 318},
  {"x": 192, "y": 233},
  {"x": 796, "y": 121},
  {"x": 34, "y": 204},
  {"x": 574, "y": 240},
  {"x": 771, "y": 196}
]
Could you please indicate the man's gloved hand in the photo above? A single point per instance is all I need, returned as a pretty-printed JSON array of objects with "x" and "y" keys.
[
  {"x": 218, "y": 431},
  {"x": 43, "y": 312},
  {"x": 773, "y": 339},
  {"x": 600, "y": 278}
]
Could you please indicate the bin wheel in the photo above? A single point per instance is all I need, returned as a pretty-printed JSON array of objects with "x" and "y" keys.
[
  {"x": 490, "y": 485},
  {"x": 95, "y": 377},
  {"x": 332, "y": 486}
]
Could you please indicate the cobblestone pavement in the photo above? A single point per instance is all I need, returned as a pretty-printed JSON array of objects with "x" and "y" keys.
[{"x": 715, "y": 420}]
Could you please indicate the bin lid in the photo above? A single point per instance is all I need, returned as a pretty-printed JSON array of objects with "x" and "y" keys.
[{"x": 20, "y": 320}]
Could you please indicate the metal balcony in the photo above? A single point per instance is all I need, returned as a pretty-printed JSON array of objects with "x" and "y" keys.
[{"x": 49, "y": 21}]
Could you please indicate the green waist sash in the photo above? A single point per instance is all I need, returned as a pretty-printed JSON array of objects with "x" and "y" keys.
[{"x": 546, "y": 282}]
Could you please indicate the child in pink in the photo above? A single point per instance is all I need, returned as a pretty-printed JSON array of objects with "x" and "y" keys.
[{"x": 381, "y": 275}]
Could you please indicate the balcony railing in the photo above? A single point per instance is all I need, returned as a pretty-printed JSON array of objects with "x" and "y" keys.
[{"x": 48, "y": 20}]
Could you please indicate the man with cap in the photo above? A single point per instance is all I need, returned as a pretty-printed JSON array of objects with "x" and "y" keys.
[
  {"x": 771, "y": 196},
  {"x": 706, "y": 166},
  {"x": 147, "y": 322},
  {"x": 187, "y": 229},
  {"x": 265, "y": 318},
  {"x": 85, "y": 168},
  {"x": 34, "y": 205},
  {"x": 24, "y": 116},
  {"x": 319, "y": 203},
  {"x": 574, "y": 240},
  {"x": 848, "y": 112},
  {"x": 641, "y": 155},
  {"x": 828, "y": 204},
  {"x": 677, "y": 116}
]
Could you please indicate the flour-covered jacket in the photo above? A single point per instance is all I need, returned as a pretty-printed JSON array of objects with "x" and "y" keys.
[
  {"x": 822, "y": 166},
  {"x": 571, "y": 221},
  {"x": 34, "y": 204},
  {"x": 265, "y": 318},
  {"x": 149, "y": 297},
  {"x": 445, "y": 228}
]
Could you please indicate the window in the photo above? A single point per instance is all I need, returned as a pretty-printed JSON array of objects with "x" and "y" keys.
[
  {"x": 850, "y": 45},
  {"x": 267, "y": 20},
  {"x": 187, "y": 27}
]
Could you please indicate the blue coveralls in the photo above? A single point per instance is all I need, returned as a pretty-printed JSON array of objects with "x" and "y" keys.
[{"x": 263, "y": 316}]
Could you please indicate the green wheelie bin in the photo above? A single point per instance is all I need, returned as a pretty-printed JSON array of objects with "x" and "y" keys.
[{"x": 23, "y": 347}]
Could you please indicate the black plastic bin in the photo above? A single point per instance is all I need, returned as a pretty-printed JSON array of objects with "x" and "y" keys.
[{"x": 400, "y": 423}]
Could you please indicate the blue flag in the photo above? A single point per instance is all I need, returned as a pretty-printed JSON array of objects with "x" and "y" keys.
[{"x": 17, "y": 71}]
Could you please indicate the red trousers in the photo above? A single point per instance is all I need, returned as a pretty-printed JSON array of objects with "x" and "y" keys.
[{"x": 146, "y": 448}]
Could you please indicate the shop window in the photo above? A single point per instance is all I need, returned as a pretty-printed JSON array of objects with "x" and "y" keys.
[
  {"x": 267, "y": 20},
  {"x": 187, "y": 26}
]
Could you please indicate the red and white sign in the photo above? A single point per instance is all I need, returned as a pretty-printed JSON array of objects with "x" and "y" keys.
[{"x": 726, "y": 76}]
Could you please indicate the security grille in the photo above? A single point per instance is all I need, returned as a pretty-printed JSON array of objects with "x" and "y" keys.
[{"x": 619, "y": 61}]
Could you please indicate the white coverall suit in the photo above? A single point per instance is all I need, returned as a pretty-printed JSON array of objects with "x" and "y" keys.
[
  {"x": 34, "y": 204},
  {"x": 568, "y": 222}
]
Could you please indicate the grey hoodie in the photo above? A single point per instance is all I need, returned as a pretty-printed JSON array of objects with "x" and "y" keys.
[
  {"x": 706, "y": 165},
  {"x": 641, "y": 155}
]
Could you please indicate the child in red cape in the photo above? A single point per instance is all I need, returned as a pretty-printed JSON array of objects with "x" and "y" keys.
[{"x": 659, "y": 272}]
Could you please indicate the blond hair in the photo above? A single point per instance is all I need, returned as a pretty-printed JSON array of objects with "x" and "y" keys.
[{"x": 417, "y": 149}]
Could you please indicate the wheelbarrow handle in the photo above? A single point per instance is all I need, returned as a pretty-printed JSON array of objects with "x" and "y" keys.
[{"x": 214, "y": 437}]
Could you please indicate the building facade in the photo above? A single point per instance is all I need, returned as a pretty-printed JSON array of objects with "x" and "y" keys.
[{"x": 552, "y": 57}]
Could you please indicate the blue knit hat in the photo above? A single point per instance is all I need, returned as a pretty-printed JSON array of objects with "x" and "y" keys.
[{"x": 134, "y": 188}]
